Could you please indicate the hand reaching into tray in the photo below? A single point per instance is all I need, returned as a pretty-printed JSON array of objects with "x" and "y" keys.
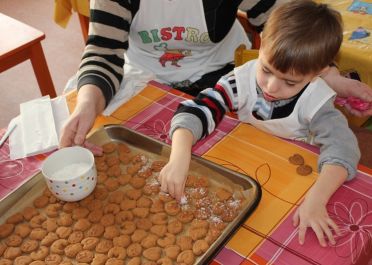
[{"x": 173, "y": 176}]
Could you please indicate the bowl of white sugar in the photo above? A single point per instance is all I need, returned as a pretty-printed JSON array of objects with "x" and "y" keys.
[{"x": 70, "y": 173}]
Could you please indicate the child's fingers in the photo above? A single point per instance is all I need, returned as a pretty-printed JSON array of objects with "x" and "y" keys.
[
  {"x": 296, "y": 218},
  {"x": 334, "y": 226},
  {"x": 328, "y": 232},
  {"x": 301, "y": 233},
  {"x": 179, "y": 192},
  {"x": 171, "y": 190},
  {"x": 319, "y": 234}
]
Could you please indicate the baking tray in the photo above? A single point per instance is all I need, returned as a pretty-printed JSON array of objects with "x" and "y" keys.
[{"x": 118, "y": 133}]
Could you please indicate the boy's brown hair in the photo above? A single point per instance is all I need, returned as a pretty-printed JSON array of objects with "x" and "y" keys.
[{"x": 302, "y": 36}]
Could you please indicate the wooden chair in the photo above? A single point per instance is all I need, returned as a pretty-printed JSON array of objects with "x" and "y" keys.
[
  {"x": 20, "y": 42},
  {"x": 242, "y": 55},
  {"x": 249, "y": 29}
]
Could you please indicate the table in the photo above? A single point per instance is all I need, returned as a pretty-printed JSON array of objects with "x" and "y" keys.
[{"x": 267, "y": 236}]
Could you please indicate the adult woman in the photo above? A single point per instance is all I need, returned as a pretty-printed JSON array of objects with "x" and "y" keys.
[{"x": 186, "y": 44}]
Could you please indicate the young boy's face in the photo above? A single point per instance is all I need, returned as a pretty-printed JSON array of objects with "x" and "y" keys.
[{"x": 276, "y": 85}]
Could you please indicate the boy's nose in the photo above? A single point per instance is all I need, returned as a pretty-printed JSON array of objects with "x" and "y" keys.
[{"x": 273, "y": 85}]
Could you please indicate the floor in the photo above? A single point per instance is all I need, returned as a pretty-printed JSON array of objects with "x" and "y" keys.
[{"x": 63, "y": 49}]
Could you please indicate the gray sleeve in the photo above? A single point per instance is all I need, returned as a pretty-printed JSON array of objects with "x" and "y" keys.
[
  {"x": 187, "y": 121},
  {"x": 338, "y": 144}
]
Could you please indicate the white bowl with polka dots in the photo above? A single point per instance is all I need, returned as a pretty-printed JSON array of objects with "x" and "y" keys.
[{"x": 70, "y": 173}]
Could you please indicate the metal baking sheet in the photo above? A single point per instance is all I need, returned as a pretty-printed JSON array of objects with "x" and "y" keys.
[{"x": 117, "y": 133}]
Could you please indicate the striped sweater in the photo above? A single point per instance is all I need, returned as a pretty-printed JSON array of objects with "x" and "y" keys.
[{"x": 110, "y": 21}]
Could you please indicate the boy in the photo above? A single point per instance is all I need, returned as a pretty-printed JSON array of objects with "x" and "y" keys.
[{"x": 281, "y": 93}]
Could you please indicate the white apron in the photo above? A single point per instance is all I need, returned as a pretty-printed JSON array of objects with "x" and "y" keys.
[
  {"x": 169, "y": 42},
  {"x": 312, "y": 99}
]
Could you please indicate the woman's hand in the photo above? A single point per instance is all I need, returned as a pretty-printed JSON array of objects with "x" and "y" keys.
[
  {"x": 346, "y": 87},
  {"x": 90, "y": 103}
]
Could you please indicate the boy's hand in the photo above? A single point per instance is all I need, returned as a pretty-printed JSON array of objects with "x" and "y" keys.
[
  {"x": 173, "y": 175},
  {"x": 313, "y": 213},
  {"x": 173, "y": 178}
]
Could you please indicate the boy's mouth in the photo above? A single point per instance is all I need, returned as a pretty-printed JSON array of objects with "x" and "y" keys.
[{"x": 269, "y": 97}]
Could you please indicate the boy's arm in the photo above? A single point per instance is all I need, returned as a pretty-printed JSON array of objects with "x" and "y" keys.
[
  {"x": 193, "y": 120},
  {"x": 312, "y": 212},
  {"x": 339, "y": 155}
]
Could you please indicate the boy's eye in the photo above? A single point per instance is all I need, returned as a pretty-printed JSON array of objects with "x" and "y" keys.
[
  {"x": 290, "y": 84},
  {"x": 265, "y": 70}
]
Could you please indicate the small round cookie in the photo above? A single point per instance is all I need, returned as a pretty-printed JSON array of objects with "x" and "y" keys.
[
  {"x": 187, "y": 257},
  {"x": 2, "y": 248},
  {"x": 108, "y": 219},
  {"x": 114, "y": 171},
  {"x": 95, "y": 216},
  {"x": 79, "y": 213},
  {"x": 164, "y": 261},
  {"x": 137, "y": 182},
  {"x": 37, "y": 221},
  {"x": 123, "y": 148},
  {"x": 149, "y": 241},
  {"x": 38, "y": 234},
  {"x": 109, "y": 148},
  {"x": 124, "y": 179},
  {"x": 72, "y": 250},
  {"x": 168, "y": 240},
  {"x": 85, "y": 256},
  {"x": 50, "y": 225},
  {"x": 95, "y": 205},
  {"x": 111, "y": 232},
  {"x": 159, "y": 230},
  {"x": 63, "y": 232},
  {"x": 121, "y": 241},
  {"x": 172, "y": 207},
  {"x": 15, "y": 218},
  {"x": 99, "y": 259},
  {"x": 133, "y": 194},
  {"x": 141, "y": 212},
  {"x": 6, "y": 230},
  {"x": 117, "y": 253},
  {"x": 29, "y": 212},
  {"x": 29, "y": 245},
  {"x": 151, "y": 188},
  {"x": 123, "y": 216},
  {"x": 40, "y": 253},
  {"x": 22, "y": 260},
  {"x": 68, "y": 207},
  {"x": 82, "y": 225},
  {"x": 104, "y": 246},
  {"x": 203, "y": 213},
  {"x": 96, "y": 230},
  {"x": 12, "y": 252},
  {"x": 157, "y": 206},
  {"x": 157, "y": 165},
  {"x": 173, "y": 251},
  {"x": 58, "y": 246},
  {"x": 41, "y": 201},
  {"x": 296, "y": 159},
  {"x": 127, "y": 227},
  {"x": 159, "y": 218},
  {"x": 143, "y": 223},
  {"x": 128, "y": 204},
  {"x": 49, "y": 239},
  {"x": 13, "y": 240},
  {"x": 200, "y": 246},
  {"x": 175, "y": 227},
  {"x": 134, "y": 261},
  {"x": 112, "y": 184},
  {"x": 116, "y": 197},
  {"x": 186, "y": 216},
  {"x": 53, "y": 259},
  {"x": 134, "y": 250},
  {"x": 138, "y": 235},
  {"x": 112, "y": 161},
  {"x": 152, "y": 254},
  {"x": 65, "y": 219},
  {"x": 75, "y": 237},
  {"x": 197, "y": 232},
  {"x": 144, "y": 173},
  {"x": 89, "y": 243},
  {"x": 112, "y": 208},
  {"x": 100, "y": 193},
  {"x": 304, "y": 170},
  {"x": 101, "y": 177}
]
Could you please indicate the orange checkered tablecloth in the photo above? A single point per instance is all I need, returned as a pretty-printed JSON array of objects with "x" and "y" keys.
[{"x": 267, "y": 236}]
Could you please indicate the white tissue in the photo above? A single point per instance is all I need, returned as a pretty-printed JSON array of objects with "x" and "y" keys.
[{"x": 38, "y": 127}]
